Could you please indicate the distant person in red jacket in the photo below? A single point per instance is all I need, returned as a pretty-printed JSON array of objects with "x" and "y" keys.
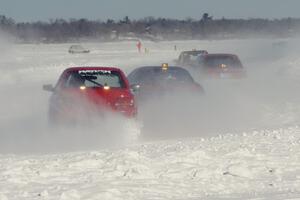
[{"x": 139, "y": 46}]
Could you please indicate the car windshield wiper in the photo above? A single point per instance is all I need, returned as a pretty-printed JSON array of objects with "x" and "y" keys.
[{"x": 96, "y": 83}]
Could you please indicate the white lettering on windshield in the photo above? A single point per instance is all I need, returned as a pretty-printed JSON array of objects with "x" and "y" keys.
[{"x": 94, "y": 72}]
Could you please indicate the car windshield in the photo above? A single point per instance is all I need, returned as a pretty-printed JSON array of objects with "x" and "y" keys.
[
  {"x": 95, "y": 78},
  {"x": 217, "y": 61},
  {"x": 192, "y": 56}
]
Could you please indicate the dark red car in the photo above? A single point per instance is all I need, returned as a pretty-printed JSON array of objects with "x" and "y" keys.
[
  {"x": 82, "y": 91},
  {"x": 221, "y": 66}
]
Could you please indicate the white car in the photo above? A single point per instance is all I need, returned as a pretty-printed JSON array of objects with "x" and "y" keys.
[{"x": 78, "y": 49}]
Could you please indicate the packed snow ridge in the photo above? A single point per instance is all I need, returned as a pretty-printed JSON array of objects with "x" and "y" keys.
[{"x": 261, "y": 164}]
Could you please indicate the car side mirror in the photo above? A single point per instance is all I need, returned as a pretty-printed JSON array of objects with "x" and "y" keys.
[
  {"x": 48, "y": 87},
  {"x": 135, "y": 87}
]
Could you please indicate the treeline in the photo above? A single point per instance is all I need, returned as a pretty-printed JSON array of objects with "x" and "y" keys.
[{"x": 73, "y": 30}]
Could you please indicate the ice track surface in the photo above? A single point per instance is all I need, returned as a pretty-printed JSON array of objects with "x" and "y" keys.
[{"x": 240, "y": 141}]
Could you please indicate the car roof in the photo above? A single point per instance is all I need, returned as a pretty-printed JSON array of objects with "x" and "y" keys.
[
  {"x": 92, "y": 68},
  {"x": 159, "y": 67},
  {"x": 194, "y": 51},
  {"x": 76, "y": 45},
  {"x": 220, "y": 54}
]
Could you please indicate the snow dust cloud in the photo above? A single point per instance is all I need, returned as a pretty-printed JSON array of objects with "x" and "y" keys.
[
  {"x": 267, "y": 98},
  {"x": 24, "y": 105}
]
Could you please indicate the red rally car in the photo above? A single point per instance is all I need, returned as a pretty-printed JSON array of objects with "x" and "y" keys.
[{"x": 83, "y": 91}]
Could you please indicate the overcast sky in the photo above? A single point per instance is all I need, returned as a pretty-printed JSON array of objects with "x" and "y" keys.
[{"x": 34, "y": 10}]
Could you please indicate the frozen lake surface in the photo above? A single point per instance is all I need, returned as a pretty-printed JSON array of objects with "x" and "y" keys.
[{"x": 241, "y": 141}]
